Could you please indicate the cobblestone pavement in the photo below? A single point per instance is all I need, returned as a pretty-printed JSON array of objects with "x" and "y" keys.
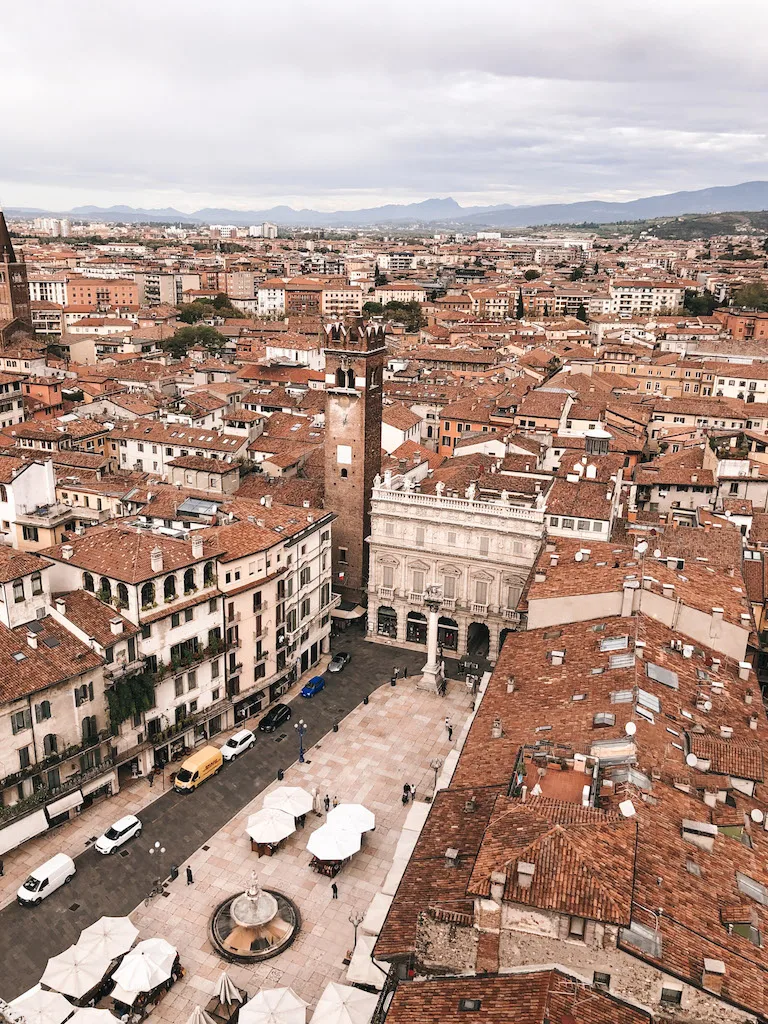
[{"x": 183, "y": 824}]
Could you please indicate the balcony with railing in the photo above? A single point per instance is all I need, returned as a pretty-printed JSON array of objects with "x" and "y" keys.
[
  {"x": 386, "y": 593},
  {"x": 121, "y": 668},
  {"x": 44, "y": 793},
  {"x": 416, "y": 597},
  {"x": 478, "y": 608}
]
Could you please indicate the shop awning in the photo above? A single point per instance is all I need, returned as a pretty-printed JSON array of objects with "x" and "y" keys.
[
  {"x": 347, "y": 610},
  {"x": 20, "y": 831},
  {"x": 66, "y": 803},
  {"x": 99, "y": 782}
]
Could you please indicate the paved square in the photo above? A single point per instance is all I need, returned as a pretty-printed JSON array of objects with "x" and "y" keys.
[{"x": 378, "y": 748}]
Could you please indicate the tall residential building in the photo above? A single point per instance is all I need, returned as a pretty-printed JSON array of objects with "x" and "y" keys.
[
  {"x": 354, "y": 365},
  {"x": 14, "y": 293}
]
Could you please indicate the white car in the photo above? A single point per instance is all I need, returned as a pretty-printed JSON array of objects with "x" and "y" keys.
[
  {"x": 123, "y": 830},
  {"x": 236, "y": 744}
]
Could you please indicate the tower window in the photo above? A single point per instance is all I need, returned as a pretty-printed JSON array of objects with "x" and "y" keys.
[
  {"x": 343, "y": 555},
  {"x": 344, "y": 473}
]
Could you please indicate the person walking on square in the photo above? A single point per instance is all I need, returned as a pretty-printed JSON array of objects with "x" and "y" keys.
[
  {"x": 190, "y": 878},
  {"x": 335, "y": 891},
  {"x": 413, "y": 791},
  {"x": 327, "y": 803},
  {"x": 335, "y": 801}
]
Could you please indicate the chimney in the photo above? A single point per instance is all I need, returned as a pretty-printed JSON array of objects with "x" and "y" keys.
[
  {"x": 511, "y": 684},
  {"x": 744, "y": 668},
  {"x": 156, "y": 559},
  {"x": 669, "y": 590},
  {"x": 67, "y": 551},
  {"x": 496, "y": 730},
  {"x": 116, "y": 625},
  {"x": 553, "y": 559},
  {"x": 197, "y": 546},
  {"x": 32, "y": 640},
  {"x": 639, "y": 648},
  {"x": 525, "y": 873},
  {"x": 628, "y": 597},
  {"x": 267, "y": 501},
  {"x": 717, "y": 621},
  {"x": 753, "y": 721},
  {"x": 726, "y": 732},
  {"x": 585, "y": 553},
  {"x": 451, "y": 857},
  {"x": 713, "y": 976},
  {"x": 539, "y": 577},
  {"x": 61, "y": 606},
  {"x": 498, "y": 884},
  {"x": 557, "y": 657}
]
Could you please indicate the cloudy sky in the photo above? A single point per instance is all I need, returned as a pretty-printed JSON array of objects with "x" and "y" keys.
[{"x": 342, "y": 104}]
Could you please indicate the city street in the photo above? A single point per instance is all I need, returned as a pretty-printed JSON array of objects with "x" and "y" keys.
[{"x": 184, "y": 823}]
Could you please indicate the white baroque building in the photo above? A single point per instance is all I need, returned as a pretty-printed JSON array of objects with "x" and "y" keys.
[{"x": 478, "y": 552}]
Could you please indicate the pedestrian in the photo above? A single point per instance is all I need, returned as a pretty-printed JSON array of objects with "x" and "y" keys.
[
  {"x": 151, "y": 779},
  {"x": 407, "y": 791},
  {"x": 405, "y": 672},
  {"x": 335, "y": 891},
  {"x": 447, "y": 724},
  {"x": 450, "y": 733},
  {"x": 301, "y": 820},
  {"x": 405, "y": 799},
  {"x": 413, "y": 791},
  {"x": 190, "y": 878},
  {"x": 335, "y": 801},
  {"x": 327, "y": 803}
]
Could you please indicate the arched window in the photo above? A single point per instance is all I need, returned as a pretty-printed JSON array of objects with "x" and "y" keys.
[
  {"x": 88, "y": 582},
  {"x": 37, "y": 583},
  {"x": 350, "y": 378},
  {"x": 169, "y": 587},
  {"x": 344, "y": 473},
  {"x": 49, "y": 744},
  {"x": 105, "y": 589},
  {"x": 147, "y": 595},
  {"x": 189, "y": 580},
  {"x": 208, "y": 574},
  {"x": 3, "y": 493},
  {"x": 340, "y": 378},
  {"x": 122, "y": 595}
]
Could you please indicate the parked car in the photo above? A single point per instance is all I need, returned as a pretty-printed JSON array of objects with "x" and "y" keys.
[
  {"x": 339, "y": 661},
  {"x": 275, "y": 717},
  {"x": 236, "y": 744},
  {"x": 46, "y": 879},
  {"x": 198, "y": 767},
  {"x": 315, "y": 685},
  {"x": 123, "y": 830}
]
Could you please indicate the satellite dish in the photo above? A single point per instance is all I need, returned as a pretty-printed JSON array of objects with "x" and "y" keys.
[
  {"x": 578, "y": 557},
  {"x": 642, "y": 547},
  {"x": 691, "y": 760},
  {"x": 707, "y": 705},
  {"x": 630, "y": 728},
  {"x": 657, "y": 553},
  {"x": 756, "y": 815}
]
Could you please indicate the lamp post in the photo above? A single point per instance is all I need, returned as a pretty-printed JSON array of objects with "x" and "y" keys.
[
  {"x": 159, "y": 850},
  {"x": 356, "y": 919},
  {"x": 301, "y": 728},
  {"x": 436, "y": 764}
]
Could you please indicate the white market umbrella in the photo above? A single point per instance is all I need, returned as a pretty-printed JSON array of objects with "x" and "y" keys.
[
  {"x": 109, "y": 936},
  {"x": 270, "y": 825},
  {"x": 75, "y": 971},
  {"x": 121, "y": 995},
  {"x": 226, "y": 991},
  {"x": 363, "y": 969},
  {"x": 146, "y": 966},
  {"x": 162, "y": 952},
  {"x": 292, "y": 799},
  {"x": 274, "y": 1006},
  {"x": 199, "y": 1016},
  {"x": 329, "y": 843},
  {"x": 355, "y": 817},
  {"x": 342, "y": 1004},
  {"x": 40, "y": 1007},
  {"x": 89, "y": 1015}
]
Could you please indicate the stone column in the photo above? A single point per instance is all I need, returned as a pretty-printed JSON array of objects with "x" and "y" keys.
[{"x": 431, "y": 675}]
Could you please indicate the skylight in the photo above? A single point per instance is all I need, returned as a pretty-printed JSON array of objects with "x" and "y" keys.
[{"x": 665, "y": 676}]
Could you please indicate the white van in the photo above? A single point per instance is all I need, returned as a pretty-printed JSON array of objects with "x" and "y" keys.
[{"x": 46, "y": 879}]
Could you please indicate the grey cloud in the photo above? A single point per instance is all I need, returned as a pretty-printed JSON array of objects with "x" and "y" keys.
[{"x": 498, "y": 100}]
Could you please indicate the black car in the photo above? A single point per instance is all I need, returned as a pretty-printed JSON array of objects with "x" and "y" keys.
[
  {"x": 339, "y": 661},
  {"x": 275, "y": 717}
]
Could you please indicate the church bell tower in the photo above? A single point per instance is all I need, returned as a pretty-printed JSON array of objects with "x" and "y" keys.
[{"x": 14, "y": 290}]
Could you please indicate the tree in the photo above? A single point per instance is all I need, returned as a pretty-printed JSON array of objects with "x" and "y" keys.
[
  {"x": 520, "y": 312},
  {"x": 407, "y": 313},
  {"x": 552, "y": 367},
  {"x": 596, "y": 268},
  {"x": 531, "y": 275},
  {"x": 192, "y": 312},
  {"x": 373, "y": 308},
  {"x": 577, "y": 273},
  {"x": 752, "y": 296},
  {"x": 546, "y": 309},
  {"x": 379, "y": 278},
  {"x": 194, "y": 334},
  {"x": 581, "y": 313},
  {"x": 699, "y": 305}
]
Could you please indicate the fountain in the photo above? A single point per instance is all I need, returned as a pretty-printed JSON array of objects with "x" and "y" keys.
[{"x": 254, "y": 925}]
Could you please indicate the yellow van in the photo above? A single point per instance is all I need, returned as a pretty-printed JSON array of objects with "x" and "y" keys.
[{"x": 197, "y": 768}]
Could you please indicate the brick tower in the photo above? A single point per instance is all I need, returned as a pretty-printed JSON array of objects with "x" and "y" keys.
[
  {"x": 14, "y": 290},
  {"x": 355, "y": 352}
]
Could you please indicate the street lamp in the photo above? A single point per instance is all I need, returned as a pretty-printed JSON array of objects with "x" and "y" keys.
[
  {"x": 436, "y": 764},
  {"x": 301, "y": 728},
  {"x": 159, "y": 850},
  {"x": 356, "y": 919}
]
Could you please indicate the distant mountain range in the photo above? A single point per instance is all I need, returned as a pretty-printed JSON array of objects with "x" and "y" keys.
[{"x": 749, "y": 196}]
